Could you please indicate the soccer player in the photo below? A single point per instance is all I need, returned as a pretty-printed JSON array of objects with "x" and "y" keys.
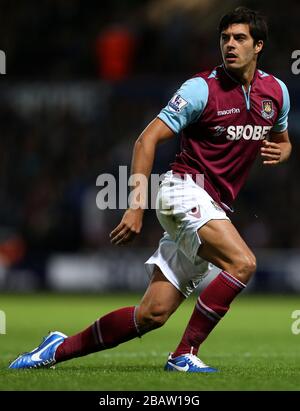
[{"x": 226, "y": 116}]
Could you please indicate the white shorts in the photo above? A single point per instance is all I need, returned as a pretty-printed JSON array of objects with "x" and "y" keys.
[{"x": 182, "y": 207}]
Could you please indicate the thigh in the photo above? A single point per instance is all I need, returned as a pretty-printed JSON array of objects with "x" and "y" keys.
[
  {"x": 221, "y": 244},
  {"x": 183, "y": 207},
  {"x": 161, "y": 295}
]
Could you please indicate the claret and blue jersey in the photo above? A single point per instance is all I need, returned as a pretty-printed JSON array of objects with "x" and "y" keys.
[{"x": 222, "y": 126}]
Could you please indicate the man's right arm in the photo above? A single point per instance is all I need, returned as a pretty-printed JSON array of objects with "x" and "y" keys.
[
  {"x": 142, "y": 162},
  {"x": 184, "y": 108}
]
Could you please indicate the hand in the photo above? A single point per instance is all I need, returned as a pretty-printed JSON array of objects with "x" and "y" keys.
[
  {"x": 128, "y": 228},
  {"x": 271, "y": 153}
]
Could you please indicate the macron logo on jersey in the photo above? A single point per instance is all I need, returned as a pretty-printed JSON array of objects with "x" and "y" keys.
[
  {"x": 247, "y": 132},
  {"x": 230, "y": 111},
  {"x": 177, "y": 103}
]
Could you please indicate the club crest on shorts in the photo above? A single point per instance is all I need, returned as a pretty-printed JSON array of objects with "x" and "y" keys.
[
  {"x": 195, "y": 212},
  {"x": 267, "y": 109}
]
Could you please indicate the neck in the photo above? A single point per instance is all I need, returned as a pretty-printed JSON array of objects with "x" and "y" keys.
[{"x": 244, "y": 75}]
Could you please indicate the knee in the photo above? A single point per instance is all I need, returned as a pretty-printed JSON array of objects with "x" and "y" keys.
[
  {"x": 150, "y": 318},
  {"x": 244, "y": 267}
]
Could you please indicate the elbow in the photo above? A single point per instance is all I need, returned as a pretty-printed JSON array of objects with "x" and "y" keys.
[
  {"x": 141, "y": 139},
  {"x": 145, "y": 140},
  {"x": 140, "y": 143}
]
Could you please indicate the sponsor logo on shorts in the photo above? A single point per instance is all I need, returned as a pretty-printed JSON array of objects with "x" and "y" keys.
[{"x": 216, "y": 205}]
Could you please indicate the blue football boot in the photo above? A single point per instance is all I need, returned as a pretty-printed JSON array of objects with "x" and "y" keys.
[
  {"x": 43, "y": 355},
  {"x": 187, "y": 363}
]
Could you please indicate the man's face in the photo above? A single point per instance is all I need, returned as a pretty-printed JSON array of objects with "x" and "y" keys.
[{"x": 237, "y": 47}]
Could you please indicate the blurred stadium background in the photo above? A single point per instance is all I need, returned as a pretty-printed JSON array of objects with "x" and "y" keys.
[{"x": 83, "y": 79}]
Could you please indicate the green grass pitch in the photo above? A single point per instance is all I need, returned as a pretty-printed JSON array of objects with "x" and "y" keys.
[{"x": 253, "y": 347}]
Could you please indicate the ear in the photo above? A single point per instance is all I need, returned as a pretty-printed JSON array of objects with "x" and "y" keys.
[{"x": 259, "y": 46}]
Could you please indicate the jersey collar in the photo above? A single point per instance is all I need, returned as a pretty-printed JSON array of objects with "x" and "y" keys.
[{"x": 228, "y": 76}]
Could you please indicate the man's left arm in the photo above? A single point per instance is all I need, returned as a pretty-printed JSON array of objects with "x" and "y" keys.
[{"x": 277, "y": 149}]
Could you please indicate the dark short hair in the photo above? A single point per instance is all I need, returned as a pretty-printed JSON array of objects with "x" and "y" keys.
[{"x": 258, "y": 26}]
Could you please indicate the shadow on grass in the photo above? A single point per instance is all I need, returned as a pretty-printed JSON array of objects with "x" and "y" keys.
[{"x": 112, "y": 368}]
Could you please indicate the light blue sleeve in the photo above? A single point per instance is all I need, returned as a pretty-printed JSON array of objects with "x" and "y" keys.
[
  {"x": 282, "y": 119},
  {"x": 186, "y": 106}
]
